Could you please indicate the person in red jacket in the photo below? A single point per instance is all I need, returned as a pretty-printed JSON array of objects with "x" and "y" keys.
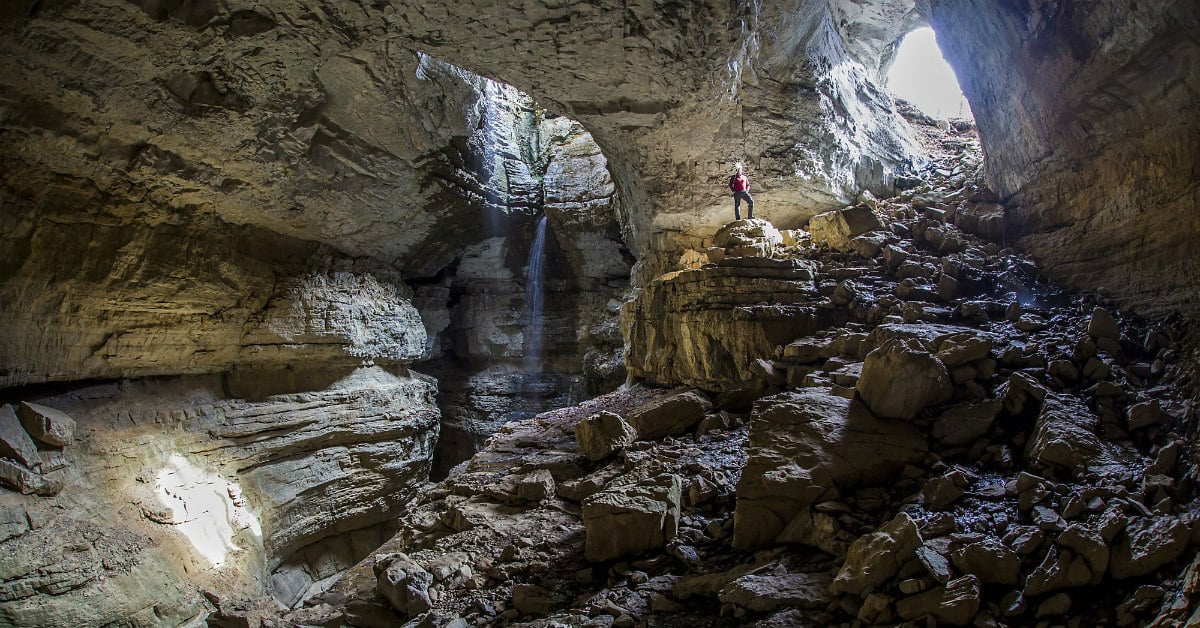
[{"x": 739, "y": 184}]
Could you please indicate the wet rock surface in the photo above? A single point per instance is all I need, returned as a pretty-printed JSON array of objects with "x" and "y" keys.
[{"x": 1039, "y": 483}]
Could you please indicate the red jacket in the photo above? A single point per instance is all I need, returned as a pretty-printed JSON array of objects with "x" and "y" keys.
[{"x": 739, "y": 183}]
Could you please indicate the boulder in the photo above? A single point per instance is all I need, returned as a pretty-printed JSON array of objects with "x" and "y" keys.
[
  {"x": 1065, "y": 436},
  {"x": 900, "y": 379},
  {"x": 19, "y": 478},
  {"x": 1145, "y": 414},
  {"x": 1087, "y": 543},
  {"x": 753, "y": 237},
  {"x": 15, "y": 442},
  {"x": 940, "y": 492},
  {"x": 954, "y": 604},
  {"x": 837, "y": 228},
  {"x": 1054, "y": 606},
  {"x": 877, "y": 557},
  {"x": 770, "y": 590},
  {"x": 964, "y": 424},
  {"x": 934, "y": 562},
  {"x": 1059, "y": 569},
  {"x": 816, "y": 529},
  {"x": 533, "y": 600},
  {"x": 959, "y": 349},
  {"x": 1147, "y": 545},
  {"x": 806, "y": 446},
  {"x": 985, "y": 220},
  {"x": 990, "y": 561},
  {"x": 627, "y": 520},
  {"x": 535, "y": 486},
  {"x": 47, "y": 425},
  {"x": 602, "y": 434},
  {"x": 1101, "y": 324},
  {"x": 673, "y": 414},
  {"x": 403, "y": 583}
]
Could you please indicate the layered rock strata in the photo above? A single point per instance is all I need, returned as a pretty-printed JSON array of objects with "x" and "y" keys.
[{"x": 234, "y": 488}]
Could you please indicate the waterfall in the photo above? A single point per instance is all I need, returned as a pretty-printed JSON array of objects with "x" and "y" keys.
[{"x": 535, "y": 299}]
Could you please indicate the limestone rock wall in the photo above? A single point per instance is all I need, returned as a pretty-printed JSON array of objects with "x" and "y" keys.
[
  {"x": 1086, "y": 114},
  {"x": 676, "y": 95},
  {"x": 123, "y": 290},
  {"x": 254, "y": 483},
  {"x": 476, "y": 309}
]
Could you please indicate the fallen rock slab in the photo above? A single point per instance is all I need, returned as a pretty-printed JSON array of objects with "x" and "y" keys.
[
  {"x": 1065, "y": 436},
  {"x": 602, "y": 434},
  {"x": 837, "y": 228},
  {"x": 627, "y": 520},
  {"x": 806, "y": 445},
  {"x": 673, "y": 414},
  {"x": 956, "y": 603},
  {"x": 47, "y": 425},
  {"x": 1147, "y": 545},
  {"x": 15, "y": 442},
  {"x": 772, "y": 590}
]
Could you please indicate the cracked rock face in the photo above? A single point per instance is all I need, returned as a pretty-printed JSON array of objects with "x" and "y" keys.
[{"x": 1085, "y": 113}]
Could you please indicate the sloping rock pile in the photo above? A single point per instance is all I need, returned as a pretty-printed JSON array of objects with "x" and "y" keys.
[{"x": 953, "y": 442}]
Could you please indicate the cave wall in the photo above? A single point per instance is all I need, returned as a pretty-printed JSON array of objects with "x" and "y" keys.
[
  {"x": 675, "y": 94},
  {"x": 313, "y": 461},
  {"x": 241, "y": 197},
  {"x": 1086, "y": 112}
]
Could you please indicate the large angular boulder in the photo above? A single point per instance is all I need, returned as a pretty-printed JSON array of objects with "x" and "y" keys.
[
  {"x": 773, "y": 589},
  {"x": 1065, "y": 436},
  {"x": 806, "y": 446},
  {"x": 900, "y": 379},
  {"x": 837, "y": 228},
  {"x": 673, "y": 414},
  {"x": 17, "y": 477},
  {"x": 753, "y": 237},
  {"x": 1101, "y": 324},
  {"x": 47, "y": 425},
  {"x": 1059, "y": 569},
  {"x": 955, "y": 603},
  {"x": 964, "y": 424},
  {"x": 877, "y": 557},
  {"x": 627, "y": 520},
  {"x": 985, "y": 220},
  {"x": 15, "y": 442},
  {"x": 990, "y": 560},
  {"x": 1147, "y": 545},
  {"x": 403, "y": 583},
  {"x": 601, "y": 434}
]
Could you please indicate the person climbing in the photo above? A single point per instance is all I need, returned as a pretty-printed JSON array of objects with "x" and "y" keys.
[{"x": 739, "y": 184}]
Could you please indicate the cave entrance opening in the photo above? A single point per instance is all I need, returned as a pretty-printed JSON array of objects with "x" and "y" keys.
[{"x": 920, "y": 74}]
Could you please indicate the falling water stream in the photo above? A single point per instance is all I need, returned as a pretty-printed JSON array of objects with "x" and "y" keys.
[{"x": 535, "y": 299}]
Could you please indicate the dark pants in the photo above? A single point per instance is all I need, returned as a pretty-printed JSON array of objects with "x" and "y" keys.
[{"x": 737, "y": 204}]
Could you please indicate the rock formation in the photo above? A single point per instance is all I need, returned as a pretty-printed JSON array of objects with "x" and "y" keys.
[
  {"x": 1003, "y": 500},
  {"x": 1079, "y": 110},
  {"x": 231, "y": 233}
]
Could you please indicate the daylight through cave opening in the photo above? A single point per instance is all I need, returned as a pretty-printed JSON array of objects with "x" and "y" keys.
[{"x": 920, "y": 74}]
